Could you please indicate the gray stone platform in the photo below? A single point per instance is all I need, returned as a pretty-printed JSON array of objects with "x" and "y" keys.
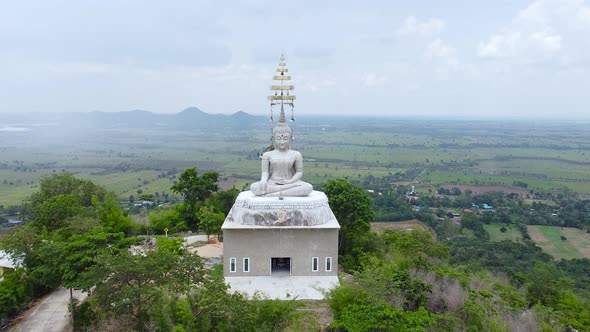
[
  {"x": 284, "y": 287},
  {"x": 308, "y": 211}
]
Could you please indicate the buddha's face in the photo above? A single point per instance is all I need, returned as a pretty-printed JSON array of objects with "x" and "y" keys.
[{"x": 282, "y": 140}]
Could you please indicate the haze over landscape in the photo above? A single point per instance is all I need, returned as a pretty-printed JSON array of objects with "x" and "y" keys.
[
  {"x": 434, "y": 174},
  {"x": 472, "y": 59}
]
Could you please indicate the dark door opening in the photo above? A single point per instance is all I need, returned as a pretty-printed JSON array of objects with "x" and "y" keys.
[{"x": 280, "y": 266}]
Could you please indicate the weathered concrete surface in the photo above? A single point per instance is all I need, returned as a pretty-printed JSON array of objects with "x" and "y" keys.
[
  {"x": 195, "y": 238},
  {"x": 253, "y": 210},
  {"x": 49, "y": 315},
  {"x": 284, "y": 288}
]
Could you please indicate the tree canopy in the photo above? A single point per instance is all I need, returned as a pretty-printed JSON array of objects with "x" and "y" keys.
[
  {"x": 352, "y": 207},
  {"x": 195, "y": 189}
]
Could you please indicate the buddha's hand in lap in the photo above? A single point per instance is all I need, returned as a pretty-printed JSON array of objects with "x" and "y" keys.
[{"x": 263, "y": 186}]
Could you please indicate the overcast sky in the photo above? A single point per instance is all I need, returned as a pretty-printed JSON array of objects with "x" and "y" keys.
[{"x": 472, "y": 58}]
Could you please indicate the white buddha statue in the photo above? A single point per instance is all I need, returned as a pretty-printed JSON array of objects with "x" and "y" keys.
[{"x": 282, "y": 168}]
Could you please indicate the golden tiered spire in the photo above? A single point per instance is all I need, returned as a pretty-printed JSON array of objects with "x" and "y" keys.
[{"x": 282, "y": 95}]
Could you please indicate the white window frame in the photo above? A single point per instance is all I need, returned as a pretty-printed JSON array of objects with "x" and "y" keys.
[
  {"x": 246, "y": 264},
  {"x": 328, "y": 259},
  {"x": 315, "y": 263},
  {"x": 234, "y": 261}
]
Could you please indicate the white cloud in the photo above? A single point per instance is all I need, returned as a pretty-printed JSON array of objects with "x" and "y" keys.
[
  {"x": 428, "y": 27},
  {"x": 546, "y": 30},
  {"x": 316, "y": 85},
  {"x": 373, "y": 80},
  {"x": 547, "y": 40},
  {"x": 500, "y": 45},
  {"x": 438, "y": 48},
  {"x": 584, "y": 14}
]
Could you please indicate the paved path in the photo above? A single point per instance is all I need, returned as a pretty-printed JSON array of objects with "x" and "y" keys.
[{"x": 51, "y": 314}]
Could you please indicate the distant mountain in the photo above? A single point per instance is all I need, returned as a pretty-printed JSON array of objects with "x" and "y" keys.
[{"x": 189, "y": 118}]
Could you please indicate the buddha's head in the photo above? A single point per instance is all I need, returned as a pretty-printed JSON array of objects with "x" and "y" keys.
[{"x": 282, "y": 136}]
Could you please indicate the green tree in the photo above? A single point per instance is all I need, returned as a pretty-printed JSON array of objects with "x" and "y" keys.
[
  {"x": 15, "y": 293},
  {"x": 167, "y": 218},
  {"x": 53, "y": 212},
  {"x": 222, "y": 201},
  {"x": 209, "y": 220},
  {"x": 195, "y": 189},
  {"x": 82, "y": 252},
  {"x": 352, "y": 207},
  {"x": 64, "y": 184},
  {"x": 545, "y": 284},
  {"x": 111, "y": 215},
  {"x": 129, "y": 284}
]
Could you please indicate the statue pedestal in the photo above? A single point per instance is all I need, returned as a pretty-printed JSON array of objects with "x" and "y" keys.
[
  {"x": 294, "y": 239},
  {"x": 254, "y": 210}
]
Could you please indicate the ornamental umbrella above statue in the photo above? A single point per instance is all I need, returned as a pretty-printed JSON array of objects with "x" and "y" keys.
[{"x": 282, "y": 168}]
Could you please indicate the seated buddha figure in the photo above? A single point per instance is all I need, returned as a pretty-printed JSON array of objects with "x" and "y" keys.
[{"x": 282, "y": 168}]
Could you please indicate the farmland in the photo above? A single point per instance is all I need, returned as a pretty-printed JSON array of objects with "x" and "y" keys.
[
  {"x": 511, "y": 234},
  {"x": 574, "y": 244},
  {"x": 518, "y": 156}
]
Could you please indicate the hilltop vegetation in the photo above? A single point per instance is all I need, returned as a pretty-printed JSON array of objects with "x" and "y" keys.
[{"x": 460, "y": 280}]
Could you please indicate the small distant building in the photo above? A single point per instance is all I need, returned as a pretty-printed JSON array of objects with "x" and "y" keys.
[
  {"x": 467, "y": 211},
  {"x": 455, "y": 215},
  {"x": 412, "y": 196},
  {"x": 487, "y": 208},
  {"x": 7, "y": 264}
]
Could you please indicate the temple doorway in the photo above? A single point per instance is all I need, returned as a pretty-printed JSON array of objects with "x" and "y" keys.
[{"x": 280, "y": 266}]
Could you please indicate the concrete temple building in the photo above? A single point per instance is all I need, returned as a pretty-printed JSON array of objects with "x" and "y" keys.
[{"x": 281, "y": 237}]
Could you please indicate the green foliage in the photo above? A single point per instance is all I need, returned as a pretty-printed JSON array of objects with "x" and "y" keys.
[
  {"x": 578, "y": 270},
  {"x": 209, "y": 220},
  {"x": 167, "y": 218},
  {"x": 212, "y": 308},
  {"x": 128, "y": 284},
  {"x": 545, "y": 282},
  {"x": 222, "y": 201},
  {"x": 352, "y": 207},
  {"x": 82, "y": 252},
  {"x": 62, "y": 185},
  {"x": 360, "y": 318},
  {"x": 53, "y": 212},
  {"x": 15, "y": 293},
  {"x": 575, "y": 310},
  {"x": 172, "y": 245},
  {"x": 195, "y": 189},
  {"x": 111, "y": 215},
  {"x": 505, "y": 256},
  {"x": 84, "y": 313},
  {"x": 477, "y": 317},
  {"x": 415, "y": 245}
]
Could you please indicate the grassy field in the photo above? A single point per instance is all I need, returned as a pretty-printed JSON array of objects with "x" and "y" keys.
[
  {"x": 408, "y": 225},
  {"x": 577, "y": 244},
  {"x": 496, "y": 235},
  {"x": 547, "y": 156}
]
